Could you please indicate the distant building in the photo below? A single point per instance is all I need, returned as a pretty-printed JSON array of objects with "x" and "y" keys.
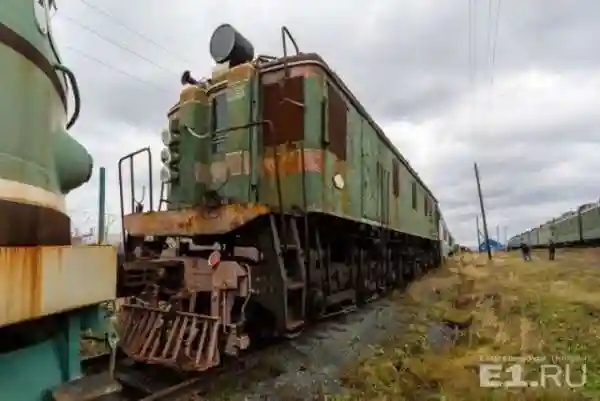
[{"x": 494, "y": 246}]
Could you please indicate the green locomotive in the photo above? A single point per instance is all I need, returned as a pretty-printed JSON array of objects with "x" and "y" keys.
[
  {"x": 43, "y": 307},
  {"x": 312, "y": 208}
]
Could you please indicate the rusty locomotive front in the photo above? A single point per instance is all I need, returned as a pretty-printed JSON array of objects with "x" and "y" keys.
[{"x": 282, "y": 202}]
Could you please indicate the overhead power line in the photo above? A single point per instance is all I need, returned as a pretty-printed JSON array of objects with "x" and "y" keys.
[
  {"x": 115, "y": 43},
  {"x": 115, "y": 69},
  {"x": 495, "y": 41},
  {"x": 132, "y": 30}
]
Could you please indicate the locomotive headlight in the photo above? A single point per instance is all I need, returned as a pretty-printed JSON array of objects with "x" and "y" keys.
[
  {"x": 168, "y": 137},
  {"x": 168, "y": 175},
  {"x": 165, "y": 156},
  {"x": 169, "y": 156}
]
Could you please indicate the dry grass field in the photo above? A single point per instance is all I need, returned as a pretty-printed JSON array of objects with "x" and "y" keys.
[{"x": 513, "y": 308}]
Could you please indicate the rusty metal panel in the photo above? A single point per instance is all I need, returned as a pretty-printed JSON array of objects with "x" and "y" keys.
[
  {"x": 39, "y": 281},
  {"x": 287, "y": 117},
  {"x": 193, "y": 221}
]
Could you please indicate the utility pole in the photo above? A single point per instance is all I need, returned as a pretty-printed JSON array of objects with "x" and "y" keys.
[
  {"x": 102, "y": 207},
  {"x": 498, "y": 233},
  {"x": 485, "y": 230},
  {"x": 478, "y": 234}
]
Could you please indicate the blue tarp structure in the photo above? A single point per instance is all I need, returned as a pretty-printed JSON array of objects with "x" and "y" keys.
[{"x": 494, "y": 246}]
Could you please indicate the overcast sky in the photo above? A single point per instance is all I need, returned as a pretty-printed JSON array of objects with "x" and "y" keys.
[{"x": 535, "y": 132}]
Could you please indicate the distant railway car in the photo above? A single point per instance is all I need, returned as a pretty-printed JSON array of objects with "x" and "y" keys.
[
  {"x": 312, "y": 209},
  {"x": 580, "y": 227},
  {"x": 590, "y": 223},
  {"x": 544, "y": 234}
]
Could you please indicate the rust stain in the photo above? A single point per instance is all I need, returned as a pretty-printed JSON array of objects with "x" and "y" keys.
[
  {"x": 194, "y": 94},
  {"x": 287, "y": 118},
  {"x": 218, "y": 171},
  {"x": 240, "y": 73},
  {"x": 194, "y": 221},
  {"x": 290, "y": 161},
  {"x": 21, "y": 272},
  {"x": 238, "y": 162},
  {"x": 306, "y": 70}
]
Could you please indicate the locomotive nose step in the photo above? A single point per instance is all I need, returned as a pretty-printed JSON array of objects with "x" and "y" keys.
[
  {"x": 184, "y": 340},
  {"x": 87, "y": 388}
]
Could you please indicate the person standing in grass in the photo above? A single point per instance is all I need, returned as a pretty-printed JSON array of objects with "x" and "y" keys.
[
  {"x": 551, "y": 250},
  {"x": 525, "y": 251}
]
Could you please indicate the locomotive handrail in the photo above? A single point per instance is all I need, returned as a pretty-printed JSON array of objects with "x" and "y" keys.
[
  {"x": 130, "y": 157},
  {"x": 286, "y": 33},
  {"x": 73, "y": 81}
]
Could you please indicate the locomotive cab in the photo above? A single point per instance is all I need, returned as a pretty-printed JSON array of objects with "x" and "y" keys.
[{"x": 211, "y": 143}]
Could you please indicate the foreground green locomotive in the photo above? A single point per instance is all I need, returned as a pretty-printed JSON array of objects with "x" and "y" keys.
[
  {"x": 43, "y": 306},
  {"x": 313, "y": 209}
]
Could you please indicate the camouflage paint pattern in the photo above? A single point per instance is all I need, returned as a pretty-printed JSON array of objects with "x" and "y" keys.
[{"x": 242, "y": 168}]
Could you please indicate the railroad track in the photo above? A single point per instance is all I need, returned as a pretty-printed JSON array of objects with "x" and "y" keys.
[
  {"x": 143, "y": 382},
  {"x": 195, "y": 387}
]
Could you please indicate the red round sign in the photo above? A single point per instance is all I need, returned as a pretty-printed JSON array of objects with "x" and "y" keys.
[{"x": 214, "y": 258}]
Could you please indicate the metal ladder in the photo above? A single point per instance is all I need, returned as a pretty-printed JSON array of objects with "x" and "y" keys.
[{"x": 292, "y": 265}]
